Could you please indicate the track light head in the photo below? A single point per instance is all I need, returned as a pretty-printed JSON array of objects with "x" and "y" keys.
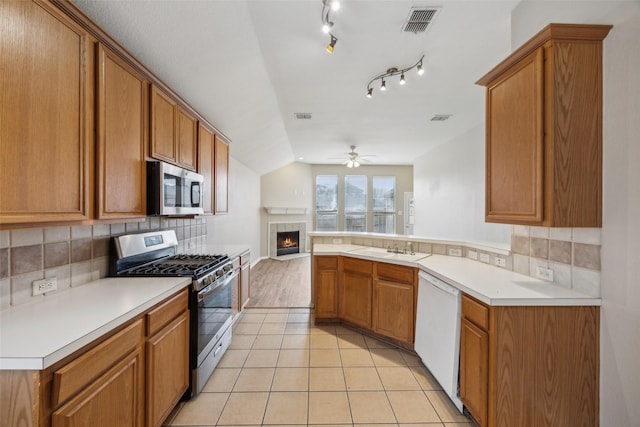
[
  {"x": 402, "y": 80},
  {"x": 332, "y": 44},
  {"x": 420, "y": 69},
  {"x": 326, "y": 27},
  {"x": 383, "y": 85},
  {"x": 335, "y": 5},
  {"x": 369, "y": 92}
]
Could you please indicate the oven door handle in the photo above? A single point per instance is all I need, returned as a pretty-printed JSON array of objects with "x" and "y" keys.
[{"x": 209, "y": 290}]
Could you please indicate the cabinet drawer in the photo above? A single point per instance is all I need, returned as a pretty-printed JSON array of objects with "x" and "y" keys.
[
  {"x": 357, "y": 265},
  {"x": 78, "y": 374},
  {"x": 396, "y": 273},
  {"x": 475, "y": 311},
  {"x": 167, "y": 311},
  {"x": 245, "y": 258},
  {"x": 327, "y": 262}
]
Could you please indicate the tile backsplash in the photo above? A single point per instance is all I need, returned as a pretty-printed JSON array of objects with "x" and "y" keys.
[{"x": 75, "y": 255}]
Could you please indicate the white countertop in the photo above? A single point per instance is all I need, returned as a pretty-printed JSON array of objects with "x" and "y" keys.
[
  {"x": 231, "y": 250},
  {"x": 491, "y": 285},
  {"x": 38, "y": 334}
]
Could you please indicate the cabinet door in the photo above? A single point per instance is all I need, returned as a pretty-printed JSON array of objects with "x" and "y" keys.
[
  {"x": 206, "y": 141},
  {"x": 515, "y": 144},
  {"x": 187, "y": 140},
  {"x": 222, "y": 176},
  {"x": 245, "y": 284},
  {"x": 355, "y": 298},
  {"x": 163, "y": 126},
  {"x": 115, "y": 399},
  {"x": 122, "y": 138},
  {"x": 393, "y": 311},
  {"x": 326, "y": 296},
  {"x": 167, "y": 369},
  {"x": 474, "y": 370},
  {"x": 46, "y": 125}
]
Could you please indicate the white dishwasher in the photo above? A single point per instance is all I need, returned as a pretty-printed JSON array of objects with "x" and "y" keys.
[{"x": 438, "y": 332}]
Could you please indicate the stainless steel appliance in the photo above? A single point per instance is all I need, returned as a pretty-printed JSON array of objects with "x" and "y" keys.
[
  {"x": 210, "y": 298},
  {"x": 172, "y": 190}
]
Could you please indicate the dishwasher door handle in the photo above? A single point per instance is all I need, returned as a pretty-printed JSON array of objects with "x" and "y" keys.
[{"x": 445, "y": 287}]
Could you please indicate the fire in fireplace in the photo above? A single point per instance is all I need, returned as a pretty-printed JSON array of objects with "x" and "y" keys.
[{"x": 287, "y": 243}]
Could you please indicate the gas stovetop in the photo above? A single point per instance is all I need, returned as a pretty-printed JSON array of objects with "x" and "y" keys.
[{"x": 191, "y": 265}]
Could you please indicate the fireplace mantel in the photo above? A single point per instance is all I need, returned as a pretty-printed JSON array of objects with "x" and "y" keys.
[{"x": 273, "y": 210}]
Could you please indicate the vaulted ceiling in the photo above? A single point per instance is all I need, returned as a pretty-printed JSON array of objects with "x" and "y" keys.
[{"x": 249, "y": 66}]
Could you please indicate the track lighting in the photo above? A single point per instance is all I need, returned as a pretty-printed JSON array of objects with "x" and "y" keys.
[
  {"x": 332, "y": 44},
  {"x": 394, "y": 71},
  {"x": 327, "y": 24}
]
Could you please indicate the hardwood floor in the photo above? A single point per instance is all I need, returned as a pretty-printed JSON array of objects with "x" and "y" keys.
[{"x": 283, "y": 284}]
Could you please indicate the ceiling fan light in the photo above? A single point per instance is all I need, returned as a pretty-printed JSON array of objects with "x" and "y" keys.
[
  {"x": 350, "y": 164},
  {"x": 402, "y": 80},
  {"x": 355, "y": 164}
]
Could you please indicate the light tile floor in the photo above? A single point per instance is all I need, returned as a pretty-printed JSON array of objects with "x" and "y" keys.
[{"x": 282, "y": 370}]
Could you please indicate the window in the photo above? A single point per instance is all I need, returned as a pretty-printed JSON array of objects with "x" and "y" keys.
[
  {"x": 355, "y": 203},
  {"x": 384, "y": 204},
  {"x": 327, "y": 203}
]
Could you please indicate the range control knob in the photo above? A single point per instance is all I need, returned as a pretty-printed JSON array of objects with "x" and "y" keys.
[
  {"x": 219, "y": 273},
  {"x": 207, "y": 280},
  {"x": 228, "y": 267}
]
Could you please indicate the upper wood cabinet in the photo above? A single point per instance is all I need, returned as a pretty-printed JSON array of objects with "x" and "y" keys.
[
  {"x": 46, "y": 130},
  {"x": 221, "y": 176},
  {"x": 173, "y": 131},
  {"x": 122, "y": 122},
  {"x": 206, "y": 149},
  {"x": 544, "y": 130}
]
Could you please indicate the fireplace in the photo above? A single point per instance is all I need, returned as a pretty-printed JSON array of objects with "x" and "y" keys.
[
  {"x": 287, "y": 239},
  {"x": 287, "y": 243}
]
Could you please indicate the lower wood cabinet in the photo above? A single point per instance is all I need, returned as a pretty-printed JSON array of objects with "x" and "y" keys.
[
  {"x": 114, "y": 399},
  {"x": 132, "y": 378},
  {"x": 245, "y": 278},
  {"x": 356, "y": 291},
  {"x": 326, "y": 287},
  {"x": 373, "y": 295},
  {"x": 529, "y": 366}
]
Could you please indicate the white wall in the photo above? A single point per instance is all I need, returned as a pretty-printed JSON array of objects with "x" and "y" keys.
[
  {"x": 620, "y": 251},
  {"x": 448, "y": 190},
  {"x": 242, "y": 224}
]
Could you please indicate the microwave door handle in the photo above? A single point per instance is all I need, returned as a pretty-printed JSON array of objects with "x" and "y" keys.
[{"x": 195, "y": 194}]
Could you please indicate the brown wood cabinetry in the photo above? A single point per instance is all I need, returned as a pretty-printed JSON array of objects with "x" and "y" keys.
[
  {"x": 544, "y": 130},
  {"x": 167, "y": 361},
  {"x": 173, "y": 131},
  {"x": 221, "y": 167},
  {"x": 529, "y": 366},
  {"x": 394, "y": 293},
  {"x": 245, "y": 278},
  {"x": 356, "y": 291},
  {"x": 46, "y": 131},
  {"x": 122, "y": 123},
  {"x": 326, "y": 287},
  {"x": 206, "y": 149},
  {"x": 132, "y": 378}
]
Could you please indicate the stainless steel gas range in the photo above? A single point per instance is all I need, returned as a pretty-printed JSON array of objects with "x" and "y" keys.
[{"x": 210, "y": 297}]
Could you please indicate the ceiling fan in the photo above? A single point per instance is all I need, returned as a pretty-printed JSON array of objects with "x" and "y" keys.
[{"x": 353, "y": 159}]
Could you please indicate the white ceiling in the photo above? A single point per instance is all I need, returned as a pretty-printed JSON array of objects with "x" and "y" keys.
[{"x": 248, "y": 66}]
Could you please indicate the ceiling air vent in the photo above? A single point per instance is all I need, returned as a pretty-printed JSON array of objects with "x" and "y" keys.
[
  {"x": 302, "y": 116},
  {"x": 440, "y": 117},
  {"x": 420, "y": 19}
]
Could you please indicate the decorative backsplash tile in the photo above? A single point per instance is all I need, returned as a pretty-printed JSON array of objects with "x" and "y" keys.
[{"x": 74, "y": 255}]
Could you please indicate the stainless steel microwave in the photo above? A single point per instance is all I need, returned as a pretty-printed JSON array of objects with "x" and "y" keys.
[{"x": 172, "y": 190}]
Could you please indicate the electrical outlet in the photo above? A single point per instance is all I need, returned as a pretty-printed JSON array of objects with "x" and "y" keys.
[
  {"x": 500, "y": 262},
  {"x": 455, "y": 252},
  {"x": 337, "y": 241},
  {"x": 545, "y": 274},
  {"x": 485, "y": 258},
  {"x": 472, "y": 254},
  {"x": 45, "y": 285}
]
